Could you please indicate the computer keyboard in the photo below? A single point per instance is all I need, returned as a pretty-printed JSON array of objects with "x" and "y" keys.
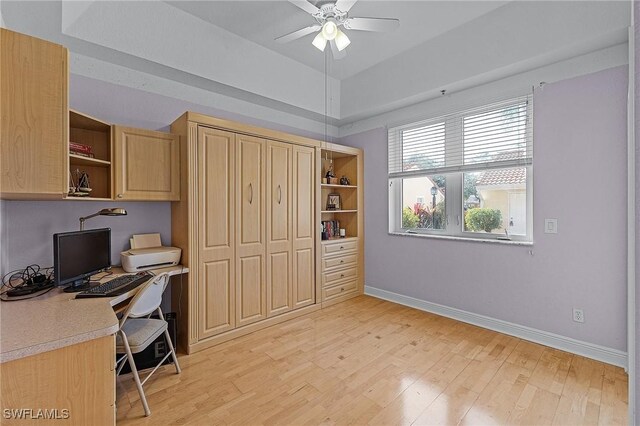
[{"x": 116, "y": 286}]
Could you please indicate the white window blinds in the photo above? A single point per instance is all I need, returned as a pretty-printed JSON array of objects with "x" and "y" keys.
[{"x": 494, "y": 136}]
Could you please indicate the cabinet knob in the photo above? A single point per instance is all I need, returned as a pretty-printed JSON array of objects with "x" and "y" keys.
[
  {"x": 341, "y": 288},
  {"x": 342, "y": 261},
  {"x": 341, "y": 247},
  {"x": 341, "y": 275},
  {"x": 120, "y": 195}
]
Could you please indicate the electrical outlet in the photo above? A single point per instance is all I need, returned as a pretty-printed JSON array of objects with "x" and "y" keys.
[{"x": 578, "y": 315}]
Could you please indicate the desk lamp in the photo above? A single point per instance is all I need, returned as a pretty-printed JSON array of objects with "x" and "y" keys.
[{"x": 115, "y": 211}]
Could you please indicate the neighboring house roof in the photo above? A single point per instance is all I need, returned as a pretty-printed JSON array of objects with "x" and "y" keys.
[{"x": 504, "y": 176}]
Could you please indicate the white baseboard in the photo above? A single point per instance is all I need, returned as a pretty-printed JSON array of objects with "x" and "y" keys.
[{"x": 589, "y": 350}]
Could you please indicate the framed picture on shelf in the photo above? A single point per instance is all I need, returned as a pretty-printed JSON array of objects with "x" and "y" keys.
[{"x": 334, "y": 201}]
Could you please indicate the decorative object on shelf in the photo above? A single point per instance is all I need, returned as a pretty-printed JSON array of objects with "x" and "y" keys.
[
  {"x": 79, "y": 187},
  {"x": 345, "y": 180},
  {"x": 343, "y": 233},
  {"x": 72, "y": 184},
  {"x": 324, "y": 180},
  {"x": 331, "y": 176},
  {"x": 83, "y": 182},
  {"x": 334, "y": 201},
  {"x": 115, "y": 211}
]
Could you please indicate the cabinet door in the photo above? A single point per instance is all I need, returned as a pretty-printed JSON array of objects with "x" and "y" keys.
[
  {"x": 304, "y": 282},
  {"x": 34, "y": 124},
  {"x": 216, "y": 222},
  {"x": 250, "y": 230},
  {"x": 279, "y": 228},
  {"x": 147, "y": 165}
]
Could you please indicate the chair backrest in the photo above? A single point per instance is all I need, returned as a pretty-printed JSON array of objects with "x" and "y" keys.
[{"x": 148, "y": 298}]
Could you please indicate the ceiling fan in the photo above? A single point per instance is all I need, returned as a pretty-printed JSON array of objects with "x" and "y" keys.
[{"x": 330, "y": 16}]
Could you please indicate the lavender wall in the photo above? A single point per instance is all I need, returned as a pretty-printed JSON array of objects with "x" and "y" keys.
[
  {"x": 636, "y": 13},
  {"x": 579, "y": 178},
  {"x": 31, "y": 224}
]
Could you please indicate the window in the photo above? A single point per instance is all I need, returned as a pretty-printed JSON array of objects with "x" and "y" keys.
[{"x": 466, "y": 174}]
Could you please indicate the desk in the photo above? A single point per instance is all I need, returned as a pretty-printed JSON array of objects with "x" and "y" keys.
[{"x": 58, "y": 352}]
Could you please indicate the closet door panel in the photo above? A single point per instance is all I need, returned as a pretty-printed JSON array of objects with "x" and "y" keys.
[
  {"x": 279, "y": 228},
  {"x": 216, "y": 257},
  {"x": 303, "y": 226},
  {"x": 250, "y": 181},
  {"x": 251, "y": 295},
  {"x": 279, "y": 283}
]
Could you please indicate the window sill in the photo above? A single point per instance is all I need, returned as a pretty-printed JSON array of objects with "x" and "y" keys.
[{"x": 453, "y": 238}]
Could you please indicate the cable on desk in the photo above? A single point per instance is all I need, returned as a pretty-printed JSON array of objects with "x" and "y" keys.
[{"x": 32, "y": 275}]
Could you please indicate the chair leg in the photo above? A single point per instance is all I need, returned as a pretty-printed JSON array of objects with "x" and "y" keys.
[
  {"x": 173, "y": 352},
  {"x": 136, "y": 377}
]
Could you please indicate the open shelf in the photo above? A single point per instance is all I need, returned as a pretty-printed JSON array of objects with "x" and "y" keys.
[
  {"x": 338, "y": 211},
  {"x": 90, "y": 131},
  {"x": 330, "y": 240},
  {"x": 79, "y": 160},
  {"x": 330, "y": 185}
]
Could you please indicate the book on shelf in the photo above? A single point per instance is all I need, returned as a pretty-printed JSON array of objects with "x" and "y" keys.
[
  {"x": 80, "y": 147},
  {"x": 330, "y": 229}
]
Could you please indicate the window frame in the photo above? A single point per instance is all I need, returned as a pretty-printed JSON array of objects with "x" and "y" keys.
[{"x": 454, "y": 187}]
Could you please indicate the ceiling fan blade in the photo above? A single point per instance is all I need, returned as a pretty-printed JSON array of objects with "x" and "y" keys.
[
  {"x": 297, "y": 34},
  {"x": 306, "y": 6},
  {"x": 372, "y": 24},
  {"x": 344, "y": 5},
  {"x": 336, "y": 53}
]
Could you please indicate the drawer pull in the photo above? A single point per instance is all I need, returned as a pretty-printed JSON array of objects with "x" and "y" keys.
[
  {"x": 341, "y": 247},
  {"x": 341, "y": 288},
  {"x": 342, "y": 261},
  {"x": 341, "y": 275}
]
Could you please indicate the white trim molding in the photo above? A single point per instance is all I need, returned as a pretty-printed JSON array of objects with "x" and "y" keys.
[{"x": 589, "y": 350}]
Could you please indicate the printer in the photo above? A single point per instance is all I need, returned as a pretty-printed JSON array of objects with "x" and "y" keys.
[{"x": 147, "y": 252}]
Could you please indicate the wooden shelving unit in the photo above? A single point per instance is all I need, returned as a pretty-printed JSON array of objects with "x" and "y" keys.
[
  {"x": 341, "y": 260},
  {"x": 91, "y": 131},
  {"x": 345, "y": 164}
]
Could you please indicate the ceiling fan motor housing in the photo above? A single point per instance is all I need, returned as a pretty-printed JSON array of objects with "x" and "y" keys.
[{"x": 328, "y": 10}]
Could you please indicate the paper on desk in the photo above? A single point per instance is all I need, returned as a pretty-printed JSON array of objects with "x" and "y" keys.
[{"x": 145, "y": 241}]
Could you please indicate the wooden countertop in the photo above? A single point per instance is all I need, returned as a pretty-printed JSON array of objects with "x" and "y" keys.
[{"x": 56, "y": 319}]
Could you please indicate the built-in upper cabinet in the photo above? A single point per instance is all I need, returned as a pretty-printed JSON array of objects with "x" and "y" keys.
[
  {"x": 50, "y": 152},
  {"x": 33, "y": 103},
  {"x": 109, "y": 162},
  {"x": 147, "y": 165}
]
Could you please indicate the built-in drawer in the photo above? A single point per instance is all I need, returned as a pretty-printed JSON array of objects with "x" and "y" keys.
[
  {"x": 339, "y": 247},
  {"x": 329, "y": 278},
  {"x": 339, "y": 290},
  {"x": 339, "y": 261}
]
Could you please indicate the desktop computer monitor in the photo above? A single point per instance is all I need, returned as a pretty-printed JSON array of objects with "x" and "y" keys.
[{"x": 79, "y": 255}]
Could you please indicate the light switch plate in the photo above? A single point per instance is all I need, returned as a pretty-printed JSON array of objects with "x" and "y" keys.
[{"x": 551, "y": 226}]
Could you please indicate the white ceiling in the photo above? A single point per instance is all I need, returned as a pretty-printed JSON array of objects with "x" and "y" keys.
[
  {"x": 222, "y": 54},
  {"x": 262, "y": 21}
]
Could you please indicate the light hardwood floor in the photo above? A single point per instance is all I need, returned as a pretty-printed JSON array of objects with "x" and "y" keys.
[{"x": 368, "y": 361}]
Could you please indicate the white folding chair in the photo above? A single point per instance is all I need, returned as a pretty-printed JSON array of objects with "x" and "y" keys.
[{"x": 138, "y": 330}]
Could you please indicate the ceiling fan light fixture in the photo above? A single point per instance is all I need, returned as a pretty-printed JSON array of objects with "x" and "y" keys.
[
  {"x": 342, "y": 41},
  {"x": 319, "y": 42},
  {"x": 329, "y": 29}
]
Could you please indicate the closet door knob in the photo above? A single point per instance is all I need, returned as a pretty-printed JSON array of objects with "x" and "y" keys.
[{"x": 250, "y": 193}]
